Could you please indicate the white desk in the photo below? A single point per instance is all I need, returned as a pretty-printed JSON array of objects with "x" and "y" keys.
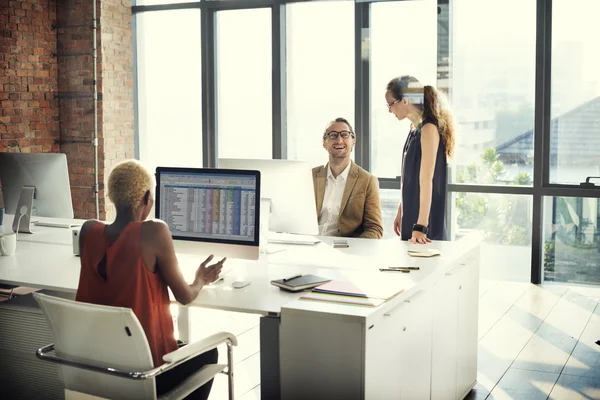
[{"x": 327, "y": 350}]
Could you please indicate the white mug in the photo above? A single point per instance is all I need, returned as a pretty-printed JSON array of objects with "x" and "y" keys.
[{"x": 8, "y": 243}]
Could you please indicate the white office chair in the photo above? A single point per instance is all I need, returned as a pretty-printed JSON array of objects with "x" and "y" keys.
[{"x": 103, "y": 351}]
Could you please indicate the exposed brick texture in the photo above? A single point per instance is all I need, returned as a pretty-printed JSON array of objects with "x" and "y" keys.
[
  {"x": 28, "y": 77},
  {"x": 117, "y": 80},
  {"x": 32, "y": 117}
]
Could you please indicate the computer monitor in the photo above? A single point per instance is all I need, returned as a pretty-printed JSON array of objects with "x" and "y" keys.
[
  {"x": 210, "y": 211},
  {"x": 288, "y": 184},
  {"x": 47, "y": 172}
]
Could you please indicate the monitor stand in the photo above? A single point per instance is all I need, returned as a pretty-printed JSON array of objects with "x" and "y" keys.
[
  {"x": 22, "y": 221},
  {"x": 263, "y": 237}
]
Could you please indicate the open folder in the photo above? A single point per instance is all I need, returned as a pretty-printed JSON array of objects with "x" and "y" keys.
[
  {"x": 372, "y": 289},
  {"x": 336, "y": 298}
]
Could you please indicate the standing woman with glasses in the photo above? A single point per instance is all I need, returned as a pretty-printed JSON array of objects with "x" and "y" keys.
[{"x": 430, "y": 142}]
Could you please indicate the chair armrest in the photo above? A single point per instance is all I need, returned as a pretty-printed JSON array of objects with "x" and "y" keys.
[
  {"x": 44, "y": 353},
  {"x": 200, "y": 347}
]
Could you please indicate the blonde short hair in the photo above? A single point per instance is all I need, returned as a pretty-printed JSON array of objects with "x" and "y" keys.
[{"x": 128, "y": 183}]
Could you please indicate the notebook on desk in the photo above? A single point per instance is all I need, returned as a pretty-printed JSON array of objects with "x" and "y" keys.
[{"x": 298, "y": 283}]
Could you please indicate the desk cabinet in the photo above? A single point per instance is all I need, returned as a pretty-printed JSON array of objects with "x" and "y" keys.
[
  {"x": 398, "y": 351},
  {"x": 455, "y": 321},
  {"x": 424, "y": 347},
  {"x": 445, "y": 338},
  {"x": 468, "y": 312}
]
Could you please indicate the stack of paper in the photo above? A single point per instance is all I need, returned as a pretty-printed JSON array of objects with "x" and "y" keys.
[
  {"x": 336, "y": 298},
  {"x": 371, "y": 293},
  {"x": 423, "y": 252}
]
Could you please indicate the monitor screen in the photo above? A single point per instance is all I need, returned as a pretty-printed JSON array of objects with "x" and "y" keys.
[
  {"x": 47, "y": 172},
  {"x": 209, "y": 204}
]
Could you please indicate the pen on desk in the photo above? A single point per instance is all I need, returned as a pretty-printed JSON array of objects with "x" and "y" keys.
[
  {"x": 410, "y": 268},
  {"x": 395, "y": 269},
  {"x": 292, "y": 277}
]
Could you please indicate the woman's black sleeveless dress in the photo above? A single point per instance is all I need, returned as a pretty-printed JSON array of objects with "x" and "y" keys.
[{"x": 411, "y": 167}]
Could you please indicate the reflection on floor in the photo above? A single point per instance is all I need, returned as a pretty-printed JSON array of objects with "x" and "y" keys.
[{"x": 535, "y": 342}]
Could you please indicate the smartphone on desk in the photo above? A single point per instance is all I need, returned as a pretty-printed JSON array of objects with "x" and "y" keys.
[{"x": 340, "y": 244}]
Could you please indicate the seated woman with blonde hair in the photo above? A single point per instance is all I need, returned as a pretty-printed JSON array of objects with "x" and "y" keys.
[{"x": 131, "y": 262}]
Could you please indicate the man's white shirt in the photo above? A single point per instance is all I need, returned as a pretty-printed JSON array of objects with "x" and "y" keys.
[{"x": 332, "y": 200}]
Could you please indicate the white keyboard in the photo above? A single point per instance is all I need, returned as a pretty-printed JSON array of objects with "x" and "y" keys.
[
  {"x": 290, "y": 238},
  {"x": 56, "y": 224}
]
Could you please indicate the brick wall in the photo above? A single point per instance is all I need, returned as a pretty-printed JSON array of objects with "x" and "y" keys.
[
  {"x": 45, "y": 98},
  {"x": 117, "y": 81},
  {"x": 28, "y": 77},
  {"x": 76, "y": 84}
]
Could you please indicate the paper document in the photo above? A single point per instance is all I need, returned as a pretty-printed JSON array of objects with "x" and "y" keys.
[
  {"x": 378, "y": 289},
  {"x": 423, "y": 252},
  {"x": 290, "y": 238},
  {"x": 336, "y": 298}
]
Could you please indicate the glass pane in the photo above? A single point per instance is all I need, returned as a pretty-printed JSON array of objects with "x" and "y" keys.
[
  {"x": 320, "y": 74},
  {"x": 505, "y": 222},
  {"x": 575, "y": 126},
  {"x": 244, "y": 121},
  {"x": 390, "y": 198},
  {"x": 492, "y": 90},
  {"x": 170, "y": 110},
  {"x": 571, "y": 233},
  {"x": 392, "y": 57}
]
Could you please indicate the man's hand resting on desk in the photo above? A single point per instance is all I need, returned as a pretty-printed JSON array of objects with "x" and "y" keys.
[{"x": 205, "y": 275}]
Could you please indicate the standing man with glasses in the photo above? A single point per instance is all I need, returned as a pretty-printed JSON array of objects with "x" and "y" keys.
[{"x": 346, "y": 195}]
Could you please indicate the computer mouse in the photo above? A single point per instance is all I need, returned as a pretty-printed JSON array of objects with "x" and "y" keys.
[{"x": 240, "y": 284}]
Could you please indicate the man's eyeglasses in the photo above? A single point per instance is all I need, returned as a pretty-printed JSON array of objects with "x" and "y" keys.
[
  {"x": 334, "y": 135},
  {"x": 392, "y": 103}
]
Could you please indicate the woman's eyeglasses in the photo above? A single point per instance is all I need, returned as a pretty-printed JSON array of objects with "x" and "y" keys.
[
  {"x": 389, "y": 105},
  {"x": 334, "y": 135}
]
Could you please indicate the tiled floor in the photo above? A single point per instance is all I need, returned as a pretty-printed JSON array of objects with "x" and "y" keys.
[
  {"x": 538, "y": 342},
  {"x": 535, "y": 342}
]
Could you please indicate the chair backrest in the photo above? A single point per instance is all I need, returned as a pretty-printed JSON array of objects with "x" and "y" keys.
[{"x": 101, "y": 335}]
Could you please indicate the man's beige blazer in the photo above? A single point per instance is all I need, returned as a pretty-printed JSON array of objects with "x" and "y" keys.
[{"x": 360, "y": 210}]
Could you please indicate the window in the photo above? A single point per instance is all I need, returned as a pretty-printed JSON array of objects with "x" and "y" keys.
[
  {"x": 390, "y": 199},
  {"x": 320, "y": 74},
  {"x": 169, "y": 110},
  {"x": 395, "y": 52},
  {"x": 571, "y": 234},
  {"x": 505, "y": 222},
  {"x": 244, "y": 104},
  {"x": 575, "y": 92},
  {"x": 493, "y": 80}
]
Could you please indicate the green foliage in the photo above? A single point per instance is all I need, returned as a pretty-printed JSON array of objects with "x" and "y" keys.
[
  {"x": 504, "y": 219},
  {"x": 522, "y": 179}
]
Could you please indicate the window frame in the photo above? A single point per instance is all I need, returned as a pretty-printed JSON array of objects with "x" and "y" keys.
[{"x": 362, "y": 19}]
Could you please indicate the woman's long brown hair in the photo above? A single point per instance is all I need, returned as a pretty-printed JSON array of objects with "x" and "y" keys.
[{"x": 399, "y": 87}]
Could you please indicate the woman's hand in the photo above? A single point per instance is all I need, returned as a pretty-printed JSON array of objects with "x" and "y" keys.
[
  {"x": 206, "y": 275},
  {"x": 419, "y": 238},
  {"x": 398, "y": 221}
]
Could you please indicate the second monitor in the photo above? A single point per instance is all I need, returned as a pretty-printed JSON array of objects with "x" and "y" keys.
[{"x": 288, "y": 184}]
